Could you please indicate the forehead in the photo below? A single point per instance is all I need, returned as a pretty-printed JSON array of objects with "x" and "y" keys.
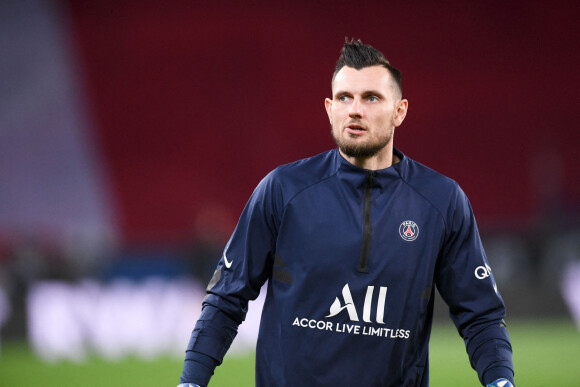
[{"x": 368, "y": 78}]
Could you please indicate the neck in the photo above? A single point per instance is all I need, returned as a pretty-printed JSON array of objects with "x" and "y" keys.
[{"x": 382, "y": 160}]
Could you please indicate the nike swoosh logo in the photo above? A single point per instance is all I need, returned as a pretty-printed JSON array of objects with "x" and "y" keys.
[{"x": 227, "y": 263}]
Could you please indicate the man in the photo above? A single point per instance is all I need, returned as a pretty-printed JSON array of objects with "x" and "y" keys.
[{"x": 352, "y": 243}]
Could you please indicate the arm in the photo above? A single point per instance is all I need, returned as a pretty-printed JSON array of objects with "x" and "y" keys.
[
  {"x": 466, "y": 283},
  {"x": 243, "y": 269},
  {"x": 211, "y": 338}
]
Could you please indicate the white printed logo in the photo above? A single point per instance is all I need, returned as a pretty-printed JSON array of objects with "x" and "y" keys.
[
  {"x": 353, "y": 327},
  {"x": 482, "y": 272},
  {"x": 338, "y": 307},
  {"x": 408, "y": 230},
  {"x": 227, "y": 263}
]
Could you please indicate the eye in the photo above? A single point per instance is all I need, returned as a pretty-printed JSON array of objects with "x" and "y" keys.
[
  {"x": 343, "y": 98},
  {"x": 373, "y": 98}
]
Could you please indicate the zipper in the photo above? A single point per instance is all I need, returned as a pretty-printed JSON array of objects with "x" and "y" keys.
[{"x": 367, "y": 223}]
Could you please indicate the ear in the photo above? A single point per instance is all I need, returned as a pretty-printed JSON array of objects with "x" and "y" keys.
[
  {"x": 328, "y": 106},
  {"x": 400, "y": 112}
]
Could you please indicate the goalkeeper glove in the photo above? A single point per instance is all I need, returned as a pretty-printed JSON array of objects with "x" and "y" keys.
[{"x": 501, "y": 383}]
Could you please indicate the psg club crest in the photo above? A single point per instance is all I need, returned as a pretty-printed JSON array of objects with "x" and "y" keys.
[{"x": 408, "y": 230}]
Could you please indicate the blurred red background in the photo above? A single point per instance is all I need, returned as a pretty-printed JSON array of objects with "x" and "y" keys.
[{"x": 194, "y": 102}]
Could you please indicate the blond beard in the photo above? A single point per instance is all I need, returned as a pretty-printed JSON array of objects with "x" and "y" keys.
[{"x": 363, "y": 150}]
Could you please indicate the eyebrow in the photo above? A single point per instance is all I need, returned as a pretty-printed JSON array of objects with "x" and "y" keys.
[{"x": 366, "y": 93}]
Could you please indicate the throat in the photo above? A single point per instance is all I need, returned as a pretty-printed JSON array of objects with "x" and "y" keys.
[{"x": 378, "y": 161}]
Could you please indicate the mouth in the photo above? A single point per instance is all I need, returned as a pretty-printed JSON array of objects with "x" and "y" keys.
[{"x": 355, "y": 129}]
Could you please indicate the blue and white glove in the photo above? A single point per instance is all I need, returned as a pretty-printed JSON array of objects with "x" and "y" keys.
[
  {"x": 501, "y": 383},
  {"x": 188, "y": 385}
]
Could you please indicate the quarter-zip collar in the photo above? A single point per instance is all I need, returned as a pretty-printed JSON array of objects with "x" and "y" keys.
[
  {"x": 362, "y": 184},
  {"x": 383, "y": 177}
]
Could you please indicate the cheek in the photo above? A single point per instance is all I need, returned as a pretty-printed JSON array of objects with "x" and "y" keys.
[
  {"x": 329, "y": 113},
  {"x": 385, "y": 121},
  {"x": 335, "y": 117}
]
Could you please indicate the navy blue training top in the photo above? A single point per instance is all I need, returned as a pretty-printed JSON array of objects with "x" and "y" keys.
[{"x": 352, "y": 258}]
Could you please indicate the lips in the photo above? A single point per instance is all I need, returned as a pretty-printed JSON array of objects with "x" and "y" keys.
[{"x": 355, "y": 129}]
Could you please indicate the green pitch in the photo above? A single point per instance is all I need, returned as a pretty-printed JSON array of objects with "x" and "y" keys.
[{"x": 545, "y": 354}]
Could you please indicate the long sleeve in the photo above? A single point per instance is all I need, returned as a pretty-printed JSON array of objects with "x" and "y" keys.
[
  {"x": 465, "y": 281},
  {"x": 209, "y": 342},
  {"x": 244, "y": 267}
]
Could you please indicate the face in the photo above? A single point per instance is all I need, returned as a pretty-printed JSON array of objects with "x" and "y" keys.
[{"x": 364, "y": 111}]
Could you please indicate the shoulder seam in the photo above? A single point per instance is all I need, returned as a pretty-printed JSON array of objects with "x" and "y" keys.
[
  {"x": 307, "y": 187},
  {"x": 310, "y": 186},
  {"x": 427, "y": 200}
]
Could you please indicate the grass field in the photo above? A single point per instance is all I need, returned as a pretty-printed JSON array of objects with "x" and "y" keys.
[{"x": 546, "y": 353}]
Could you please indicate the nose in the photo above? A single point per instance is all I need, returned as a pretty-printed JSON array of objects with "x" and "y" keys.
[{"x": 355, "y": 110}]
